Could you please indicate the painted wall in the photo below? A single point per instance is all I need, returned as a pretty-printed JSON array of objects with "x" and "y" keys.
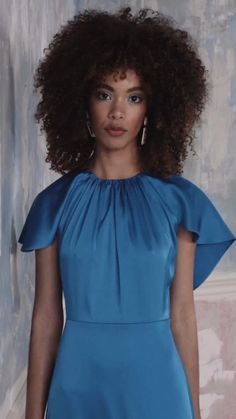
[{"x": 26, "y": 27}]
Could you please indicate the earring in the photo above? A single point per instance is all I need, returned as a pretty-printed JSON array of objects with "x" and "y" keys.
[
  {"x": 143, "y": 139},
  {"x": 88, "y": 126}
]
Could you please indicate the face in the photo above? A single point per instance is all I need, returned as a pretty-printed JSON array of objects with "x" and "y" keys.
[{"x": 118, "y": 103}]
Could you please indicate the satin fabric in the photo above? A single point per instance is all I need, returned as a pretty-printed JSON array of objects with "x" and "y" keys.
[{"x": 117, "y": 358}]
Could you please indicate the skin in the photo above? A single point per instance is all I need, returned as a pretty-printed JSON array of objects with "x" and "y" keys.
[
  {"x": 115, "y": 157},
  {"x": 46, "y": 329},
  {"x": 182, "y": 312}
]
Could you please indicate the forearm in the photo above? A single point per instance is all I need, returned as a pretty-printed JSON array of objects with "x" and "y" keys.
[
  {"x": 185, "y": 336},
  {"x": 44, "y": 339}
]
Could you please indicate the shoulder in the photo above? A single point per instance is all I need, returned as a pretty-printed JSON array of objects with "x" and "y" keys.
[
  {"x": 182, "y": 185},
  {"x": 59, "y": 186},
  {"x": 176, "y": 184},
  {"x": 42, "y": 221},
  {"x": 179, "y": 194},
  {"x": 193, "y": 205},
  {"x": 187, "y": 197},
  {"x": 198, "y": 214}
]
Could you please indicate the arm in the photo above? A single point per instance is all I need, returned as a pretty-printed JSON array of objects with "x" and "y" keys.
[
  {"x": 46, "y": 328},
  {"x": 183, "y": 317}
]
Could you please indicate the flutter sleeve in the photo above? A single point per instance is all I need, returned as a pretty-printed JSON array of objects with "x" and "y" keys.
[
  {"x": 41, "y": 224},
  {"x": 197, "y": 213}
]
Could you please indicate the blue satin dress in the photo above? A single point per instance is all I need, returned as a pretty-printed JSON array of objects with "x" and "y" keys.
[{"x": 117, "y": 357}]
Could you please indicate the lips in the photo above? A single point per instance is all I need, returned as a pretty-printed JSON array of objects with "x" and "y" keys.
[
  {"x": 114, "y": 128},
  {"x": 115, "y": 132}
]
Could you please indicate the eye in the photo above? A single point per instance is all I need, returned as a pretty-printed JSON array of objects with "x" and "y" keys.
[
  {"x": 136, "y": 99},
  {"x": 101, "y": 95}
]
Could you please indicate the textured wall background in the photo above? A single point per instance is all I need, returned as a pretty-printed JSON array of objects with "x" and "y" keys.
[{"x": 26, "y": 27}]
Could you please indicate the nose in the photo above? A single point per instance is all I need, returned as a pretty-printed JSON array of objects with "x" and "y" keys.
[{"x": 116, "y": 112}]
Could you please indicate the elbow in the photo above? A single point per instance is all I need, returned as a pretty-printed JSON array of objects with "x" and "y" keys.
[
  {"x": 48, "y": 320},
  {"x": 183, "y": 318},
  {"x": 183, "y": 324},
  {"x": 46, "y": 330}
]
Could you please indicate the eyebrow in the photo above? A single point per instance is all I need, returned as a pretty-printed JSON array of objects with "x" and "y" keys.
[{"x": 131, "y": 89}]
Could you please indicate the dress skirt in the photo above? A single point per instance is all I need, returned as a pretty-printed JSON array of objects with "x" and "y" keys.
[{"x": 119, "y": 371}]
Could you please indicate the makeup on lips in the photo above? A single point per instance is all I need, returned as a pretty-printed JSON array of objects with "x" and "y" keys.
[{"x": 115, "y": 131}]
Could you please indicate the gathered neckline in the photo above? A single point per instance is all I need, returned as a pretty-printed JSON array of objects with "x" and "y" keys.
[{"x": 92, "y": 174}]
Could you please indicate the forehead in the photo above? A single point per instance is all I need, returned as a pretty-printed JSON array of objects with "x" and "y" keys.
[
  {"x": 121, "y": 78},
  {"x": 123, "y": 81},
  {"x": 121, "y": 74}
]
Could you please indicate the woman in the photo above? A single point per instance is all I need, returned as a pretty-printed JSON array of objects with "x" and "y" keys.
[{"x": 121, "y": 233}]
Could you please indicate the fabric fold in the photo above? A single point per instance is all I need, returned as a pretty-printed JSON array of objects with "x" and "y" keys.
[
  {"x": 41, "y": 224},
  {"x": 197, "y": 213}
]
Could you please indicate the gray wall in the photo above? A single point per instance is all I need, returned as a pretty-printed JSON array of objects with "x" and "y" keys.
[{"x": 26, "y": 27}]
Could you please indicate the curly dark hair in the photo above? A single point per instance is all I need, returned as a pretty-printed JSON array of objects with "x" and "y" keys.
[{"x": 94, "y": 44}]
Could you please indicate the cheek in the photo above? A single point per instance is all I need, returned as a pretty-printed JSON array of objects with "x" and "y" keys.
[
  {"x": 136, "y": 118},
  {"x": 97, "y": 113}
]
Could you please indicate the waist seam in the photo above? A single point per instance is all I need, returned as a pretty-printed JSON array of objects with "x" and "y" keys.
[{"x": 103, "y": 322}]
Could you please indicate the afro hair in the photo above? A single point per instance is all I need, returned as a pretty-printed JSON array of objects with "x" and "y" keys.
[{"x": 97, "y": 43}]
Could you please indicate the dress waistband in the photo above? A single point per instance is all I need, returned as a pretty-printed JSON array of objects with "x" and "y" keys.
[{"x": 104, "y": 322}]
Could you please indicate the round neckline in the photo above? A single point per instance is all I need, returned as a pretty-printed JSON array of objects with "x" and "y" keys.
[{"x": 113, "y": 179}]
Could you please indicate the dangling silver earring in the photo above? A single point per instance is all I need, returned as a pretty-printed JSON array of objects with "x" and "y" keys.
[
  {"x": 88, "y": 126},
  {"x": 143, "y": 139}
]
